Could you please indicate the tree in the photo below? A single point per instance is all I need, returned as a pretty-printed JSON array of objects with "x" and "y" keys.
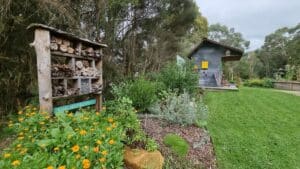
[
  {"x": 227, "y": 36},
  {"x": 230, "y": 37},
  {"x": 141, "y": 34}
]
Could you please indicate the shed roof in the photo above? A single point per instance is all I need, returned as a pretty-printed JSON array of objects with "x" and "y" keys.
[
  {"x": 236, "y": 53},
  {"x": 64, "y": 34}
]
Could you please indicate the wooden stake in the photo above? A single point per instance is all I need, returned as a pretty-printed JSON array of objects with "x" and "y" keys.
[{"x": 42, "y": 48}]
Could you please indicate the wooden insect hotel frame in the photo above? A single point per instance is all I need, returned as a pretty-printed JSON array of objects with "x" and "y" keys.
[{"x": 67, "y": 67}]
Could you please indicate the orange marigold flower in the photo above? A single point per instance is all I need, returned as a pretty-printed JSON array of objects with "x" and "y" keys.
[
  {"x": 111, "y": 142},
  {"x": 96, "y": 149},
  {"x": 6, "y": 155},
  {"x": 86, "y": 164},
  {"x": 82, "y": 132},
  {"x": 50, "y": 167},
  {"x": 62, "y": 167},
  {"x": 16, "y": 163},
  {"x": 104, "y": 152},
  {"x": 102, "y": 160},
  {"x": 75, "y": 148}
]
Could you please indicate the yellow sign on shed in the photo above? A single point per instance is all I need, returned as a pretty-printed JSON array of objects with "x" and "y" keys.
[{"x": 204, "y": 64}]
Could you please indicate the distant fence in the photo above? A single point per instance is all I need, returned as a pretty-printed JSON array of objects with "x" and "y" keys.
[{"x": 287, "y": 85}]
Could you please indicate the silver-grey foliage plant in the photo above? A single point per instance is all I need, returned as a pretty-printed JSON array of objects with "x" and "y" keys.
[{"x": 182, "y": 109}]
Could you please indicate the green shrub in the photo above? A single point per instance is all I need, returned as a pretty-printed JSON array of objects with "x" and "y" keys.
[
  {"x": 126, "y": 115},
  {"x": 266, "y": 83},
  {"x": 181, "y": 78},
  {"x": 86, "y": 139},
  {"x": 180, "y": 109},
  {"x": 142, "y": 92},
  {"x": 177, "y": 144}
]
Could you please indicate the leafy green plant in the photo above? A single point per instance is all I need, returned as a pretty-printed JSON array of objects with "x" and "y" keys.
[
  {"x": 181, "y": 78},
  {"x": 182, "y": 109},
  {"x": 177, "y": 144},
  {"x": 141, "y": 91},
  {"x": 87, "y": 139},
  {"x": 266, "y": 83},
  {"x": 126, "y": 115}
]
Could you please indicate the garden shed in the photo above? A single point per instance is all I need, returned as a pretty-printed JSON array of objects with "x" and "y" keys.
[{"x": 209, "y": 56}]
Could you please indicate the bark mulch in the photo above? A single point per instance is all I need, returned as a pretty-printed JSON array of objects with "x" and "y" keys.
[{"x": 201, "y": 152}]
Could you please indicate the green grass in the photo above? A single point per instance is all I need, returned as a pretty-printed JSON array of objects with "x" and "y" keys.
[
  {"x": 255, "y": 129},
  {"x": 177, "y": 144}
]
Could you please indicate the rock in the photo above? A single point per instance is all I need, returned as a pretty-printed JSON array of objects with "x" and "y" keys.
[{"x": 142, "y": 159}]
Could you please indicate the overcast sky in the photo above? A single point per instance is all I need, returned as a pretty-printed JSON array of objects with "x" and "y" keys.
[{"x": 254, "y": 19}]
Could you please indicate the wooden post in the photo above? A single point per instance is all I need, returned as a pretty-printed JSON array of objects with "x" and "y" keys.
[
  {"x": 98, "y": 96},
  {"x": 42, "y": 48}
]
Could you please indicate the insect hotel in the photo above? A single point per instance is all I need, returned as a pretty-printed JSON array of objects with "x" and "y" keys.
[{"x": 68, "y": 67}]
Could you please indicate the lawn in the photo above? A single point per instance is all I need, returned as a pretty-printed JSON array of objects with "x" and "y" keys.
[{"x": 255, "y": 129}]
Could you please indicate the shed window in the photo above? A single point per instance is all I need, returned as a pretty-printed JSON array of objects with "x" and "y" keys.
[{"x": 204, "y": 64}]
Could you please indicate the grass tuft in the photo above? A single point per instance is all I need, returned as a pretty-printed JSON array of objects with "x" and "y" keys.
[{"x": 177, "y": 144}]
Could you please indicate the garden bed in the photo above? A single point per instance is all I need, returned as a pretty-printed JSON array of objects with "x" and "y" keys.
[{"x": 200, "y": 154}]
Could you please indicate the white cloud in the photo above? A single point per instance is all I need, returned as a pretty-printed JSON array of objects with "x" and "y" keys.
[{"x": 254, "y": 19}]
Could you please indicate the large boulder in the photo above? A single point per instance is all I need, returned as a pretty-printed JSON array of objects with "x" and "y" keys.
[{"x": 142, "y": 159}]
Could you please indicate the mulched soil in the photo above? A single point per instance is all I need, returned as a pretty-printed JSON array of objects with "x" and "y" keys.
[{"x": 201, "y": 152}]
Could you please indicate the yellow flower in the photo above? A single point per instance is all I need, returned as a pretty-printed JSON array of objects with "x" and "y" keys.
[
  {"x": 7, "y": 155},
  {"x": 23, "y": 151},
  {"x": 50, "y": 167},
  {"x": 97, "y": 113},
  {"x": 86, "y": 147},
  {"x": 21, "y": 119},
  {"x": 82, "y": 132},
  {"x": 86, "y": 164},
  {"x": 20, "y": 138},
  {"x": 96, "y": 149},
  {"x": 20, "y": 112},
  {"x": 102, "y": 160},
  {"x": 108, "y": 128},
  {"x": 114, "y": 125},
  {"x": 56, "y": 149},
  {"x": 16, "y": 163},
  {"x": 110, "y": 120},
  {"x": 42, "y": 123},
  {"x": 75, "y": 148},
  {"x": 99, "y": 142},
  {"x": 10, "y": 125},
  {"x": 19, "y": 145},
  {"x": 103, "y": 108},
  {"x": 77, "y": 156},
  {"x": 62, "y": 167},
  {"x": 104, "y": 152},
  {"x": 111, "y": 142}
]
